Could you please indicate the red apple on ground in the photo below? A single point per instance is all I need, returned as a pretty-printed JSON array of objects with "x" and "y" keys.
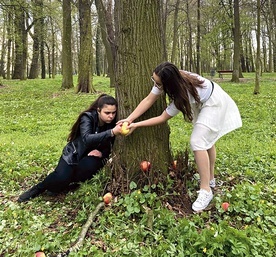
[
  {"x": 145, "y": 166},
  {"x": 225, "y": 206},
  {"x": 107, "y": 198},
  {"x": 40, "y": 254},
  {"x": 174, "y": 164}
]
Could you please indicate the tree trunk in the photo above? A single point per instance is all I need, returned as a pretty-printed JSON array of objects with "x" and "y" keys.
[
  {"x": 20, "y": 62},
  {"x": 3, "y": 51},
  {"x": 198, "y": 55},
  {"x": 236, "y": 61},
  {"x": 9, "y": 45},
  {"x": 99, "y": 57},
  {"x": 175, "y": 32},
  {"x": 42, "y": 39},
  {"x": 138, "y": 52},
  {"x": 85, "y": 55},
  {"x": 258, "y": 55},
  {"x": 273, "y": 3},
  {"x": 107, "y": 31},
  {"x": 53, "y": 48},
  {"x": 163, "y": 26},
  {"x": 67, "y": 70},
  {"x": 190, "y": 40},
  {"x": 34, "y": 70}
]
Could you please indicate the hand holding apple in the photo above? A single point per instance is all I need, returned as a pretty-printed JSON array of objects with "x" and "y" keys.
[{"x": 124, "y": 129}]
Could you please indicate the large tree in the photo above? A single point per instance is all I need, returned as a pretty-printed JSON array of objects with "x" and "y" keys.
[{"x": 138, "y": 52}]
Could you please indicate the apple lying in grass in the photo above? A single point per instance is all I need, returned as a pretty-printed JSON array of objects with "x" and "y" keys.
[
  {"x": 145, "y": 166},
  {"x": 124, "y": 130},
  {"x": 225, "y": 206},
  {"x": 40, "y": 254},
  {"x": 174, "y": 164},
  {"x": 107, "y": 198}
]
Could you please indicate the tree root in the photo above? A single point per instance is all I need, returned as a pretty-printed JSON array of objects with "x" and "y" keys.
[{"x": 84, "y": 230}]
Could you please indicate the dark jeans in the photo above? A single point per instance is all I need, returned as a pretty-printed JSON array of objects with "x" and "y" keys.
[{"x": 65, "y": 174}]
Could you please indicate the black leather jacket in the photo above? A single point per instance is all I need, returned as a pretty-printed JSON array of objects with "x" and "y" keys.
[{"x": 91, "y": 136}]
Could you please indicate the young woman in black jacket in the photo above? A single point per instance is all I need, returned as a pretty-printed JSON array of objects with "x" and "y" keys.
[{"x": 88, "y": 148}]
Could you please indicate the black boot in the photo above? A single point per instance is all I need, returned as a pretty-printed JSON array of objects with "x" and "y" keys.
[{"x": 31, "y": 193}]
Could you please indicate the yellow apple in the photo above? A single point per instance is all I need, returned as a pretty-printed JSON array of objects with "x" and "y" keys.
[{"x": 124, "y": 130}]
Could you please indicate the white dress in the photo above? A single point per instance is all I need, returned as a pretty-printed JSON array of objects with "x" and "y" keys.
[{"x": 218, "y": 112}]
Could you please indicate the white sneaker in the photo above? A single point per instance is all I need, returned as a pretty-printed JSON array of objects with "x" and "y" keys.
[
  {"x": 203, "y": 199},
  {"x": 213, "y": 183}
]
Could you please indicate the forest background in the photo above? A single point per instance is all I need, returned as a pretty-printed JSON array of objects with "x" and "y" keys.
[{"x": 51, "y": 45}]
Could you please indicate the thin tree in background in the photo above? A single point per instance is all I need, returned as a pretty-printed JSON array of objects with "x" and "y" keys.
[
  {"x": 175, "y": 32},
  {"x": 273, "y": 4},
  {"x": 67, "y": 69},
  {"x": 108, "y": 35},
  {"x": 237, "y": 35},
  {"x": 85, "y": 54},
  {"x": 3, "y": 52},
  {"x": 42, "y": 38},
  {"x": 34, "y": 69},
  {"x": 98, "y": 52},
  {"x": 258, "y": 55},
  {"x": 198, "y": 36},
  {"x": 21, "y": 32}
]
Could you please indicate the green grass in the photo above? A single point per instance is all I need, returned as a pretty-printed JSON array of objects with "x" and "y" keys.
[{"x": 35, "y": 120}]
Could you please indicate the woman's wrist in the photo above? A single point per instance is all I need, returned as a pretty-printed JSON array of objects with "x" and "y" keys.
[{"x": 112, "y": 133}]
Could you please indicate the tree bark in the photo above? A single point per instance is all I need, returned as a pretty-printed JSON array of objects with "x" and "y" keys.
[
  {"x": 107, "y": 31},
  {"x": 85, "y": 55},
  {"x": 138, "y": 52},
  {"x": 198, "y": 45},
  {"x": 67, "y": 70},
  {"x": 236, "y": 58},
  {"x": 20, "y": 62},
  {"x": 34, "y": 69},
  {"x": 258, "y": 55},
  {"x": 175, "y": 32},
  {"x": 98, "y": 53}
]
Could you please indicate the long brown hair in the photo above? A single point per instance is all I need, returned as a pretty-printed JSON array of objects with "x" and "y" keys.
[
  {"x": 98, "y": 104},
  {"x": 178, "y": 86}
]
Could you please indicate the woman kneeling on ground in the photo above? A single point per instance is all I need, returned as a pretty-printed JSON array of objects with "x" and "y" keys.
[{"x": 88, "y": 148}]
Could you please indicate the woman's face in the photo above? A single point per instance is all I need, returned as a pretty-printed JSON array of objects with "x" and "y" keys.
[
  {"x": 107, "y": 114},
  {"x": 156, "y": 80}
]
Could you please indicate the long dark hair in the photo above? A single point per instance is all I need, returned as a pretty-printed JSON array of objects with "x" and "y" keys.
[
  {"x": 177, "y": 86},
  {"x": 98, "y": 104}
]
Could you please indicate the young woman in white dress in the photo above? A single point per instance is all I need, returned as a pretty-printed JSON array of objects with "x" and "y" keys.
[{"x": 202, "y": 102}]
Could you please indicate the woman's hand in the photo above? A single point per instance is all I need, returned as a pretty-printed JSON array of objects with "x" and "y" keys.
[
  {"x": 131, "y": 128},
  {"x": 120, "y": 122},
  {"x": 95, "y": 153},
  {"x": 117, "y": 129}
]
